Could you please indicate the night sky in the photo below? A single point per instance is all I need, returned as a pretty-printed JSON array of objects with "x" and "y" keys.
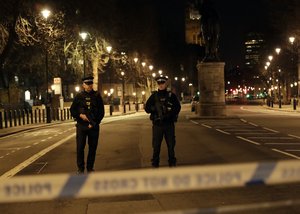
[
  {"x": 238, "y": 18},
  {"x": 157, "y": 27}
]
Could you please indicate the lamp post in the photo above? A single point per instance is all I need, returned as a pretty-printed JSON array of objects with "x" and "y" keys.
[
  {"x": 292, "y": 40},
  {"x": 123, "y": 91},
  {"x": 277, "y": 50},
  {"x": 152, "y": 81},
  {"x": 83, "y": 36},
  {"x": 46, "y": 13}
]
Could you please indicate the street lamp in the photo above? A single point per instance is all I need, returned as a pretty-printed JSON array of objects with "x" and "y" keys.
[
  {"x": 46, "y": 13},
  {"x": 123, "y": 91},
  {"x": 152, "y": 81},
  {"x": 277, "y": 50},
  {"x": 270, "y": 58},
  {"x": 83, "y": 36},
  {"x": 292, "y": 40},
  {"x": 108, "y": 48}
]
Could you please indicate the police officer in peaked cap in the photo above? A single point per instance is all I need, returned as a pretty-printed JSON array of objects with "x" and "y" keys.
[
  {"x": 88, "y": 110},
  {"x": 163, "y": 107}
]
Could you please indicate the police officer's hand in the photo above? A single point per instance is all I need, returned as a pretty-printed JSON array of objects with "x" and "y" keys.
[
  {"x": 84, "y": 117},
  {"x": 90, "y": 126}
]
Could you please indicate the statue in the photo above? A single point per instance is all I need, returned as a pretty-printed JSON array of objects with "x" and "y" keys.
[{"x": 210, "y": 27}]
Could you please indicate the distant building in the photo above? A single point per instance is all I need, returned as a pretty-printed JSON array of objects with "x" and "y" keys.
[
  {"x": 254, "y": 44},
  {"x": 192, "y": 26}
]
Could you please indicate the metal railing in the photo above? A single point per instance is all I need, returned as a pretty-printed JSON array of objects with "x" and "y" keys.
[{"x": 13, "y": 118}]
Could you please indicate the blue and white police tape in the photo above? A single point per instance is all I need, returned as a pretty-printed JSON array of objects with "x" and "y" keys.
[{"x": 48, "y": 187}]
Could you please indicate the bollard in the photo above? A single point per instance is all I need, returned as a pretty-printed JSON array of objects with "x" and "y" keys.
[
  {"x": 111, "y": 109},
  {"x": 1, "y": 121},
  {"x": 10, "y": 118},
  {"x": 295, "y": 103},
  {"x": 5, "y": 119},
  {"x": 15, "y": 115},
  {"x": 23, "y": 116}
]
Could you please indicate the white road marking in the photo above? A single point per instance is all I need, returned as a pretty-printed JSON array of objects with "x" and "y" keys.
[
  {"x": 250, "y": 141},
  {"x": 219, "y": 130},
  {"x": 207, "y": 126},
  {"x": 271, "y": 130},
  {"x": 17, "y": 148},
  {"x": 243, "y": 120},
  {"x": 253, "y": 124},
  {"x": 30, "y": 160},
  {"x": 295, "y": 136},
  {"x": 194, "y": 122},
  {"x": 286, "y": 153},
  {"x": 254, "y": 133},
  {"x": 272, "y": 138},
  {"x": 241, "y": 130}
]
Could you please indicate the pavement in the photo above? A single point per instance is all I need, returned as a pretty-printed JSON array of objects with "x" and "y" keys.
[{"x": 12, "y": 130}]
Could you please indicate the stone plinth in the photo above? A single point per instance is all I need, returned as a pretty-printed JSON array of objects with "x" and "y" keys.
[{"x": 212, "y": 89}]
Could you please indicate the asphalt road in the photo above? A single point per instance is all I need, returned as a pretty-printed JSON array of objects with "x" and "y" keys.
[{"x": 249, "y": 134}]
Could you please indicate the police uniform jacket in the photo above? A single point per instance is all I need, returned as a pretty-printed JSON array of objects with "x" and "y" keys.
[
  {"x": 163, "y": 106},
  {"x": 89, "y": 103}
]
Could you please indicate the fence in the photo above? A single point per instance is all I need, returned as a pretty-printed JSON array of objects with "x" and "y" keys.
[{"x": 12, "y": 118}]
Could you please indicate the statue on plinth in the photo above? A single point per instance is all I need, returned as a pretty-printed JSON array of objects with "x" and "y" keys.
[{"x": 210, "y": 27}]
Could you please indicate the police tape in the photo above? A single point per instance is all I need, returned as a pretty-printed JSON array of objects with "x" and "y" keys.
[{"x": 162, "y": 180}]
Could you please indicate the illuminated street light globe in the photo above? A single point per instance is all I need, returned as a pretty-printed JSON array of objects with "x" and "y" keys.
[
  {"x": 83, "y": 35},
  {"x": 77, "y": 88},
  {"x": 46, "y": 13},
  {"x": 108, "y": 48},
  {"x": 291, "y": 39}
]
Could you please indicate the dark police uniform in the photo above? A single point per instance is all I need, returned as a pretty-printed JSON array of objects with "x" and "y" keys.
[
  {"x": 164, "y": 108},
  {"x": 91, "y": 104}
]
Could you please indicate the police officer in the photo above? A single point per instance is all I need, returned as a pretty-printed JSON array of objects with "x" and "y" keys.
[
  {"x": 164, "y": 108},
  {"x": 88, "y": 110}
]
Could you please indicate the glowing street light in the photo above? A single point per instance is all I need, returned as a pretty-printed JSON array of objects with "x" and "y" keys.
[
  {"x": 108, "y": 48},
  {"x": 123, "y": 91},
  {"x": 291, "y": 39},
  {"x": 83, "y": 36},
  {"x": 46, "y": 13},
  {"x": 270, "y": 57}
]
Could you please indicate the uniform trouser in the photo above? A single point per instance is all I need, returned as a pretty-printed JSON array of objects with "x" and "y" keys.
[
  {"x": 168, "y": 132},
  {"x": 83, "y": 133}
]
